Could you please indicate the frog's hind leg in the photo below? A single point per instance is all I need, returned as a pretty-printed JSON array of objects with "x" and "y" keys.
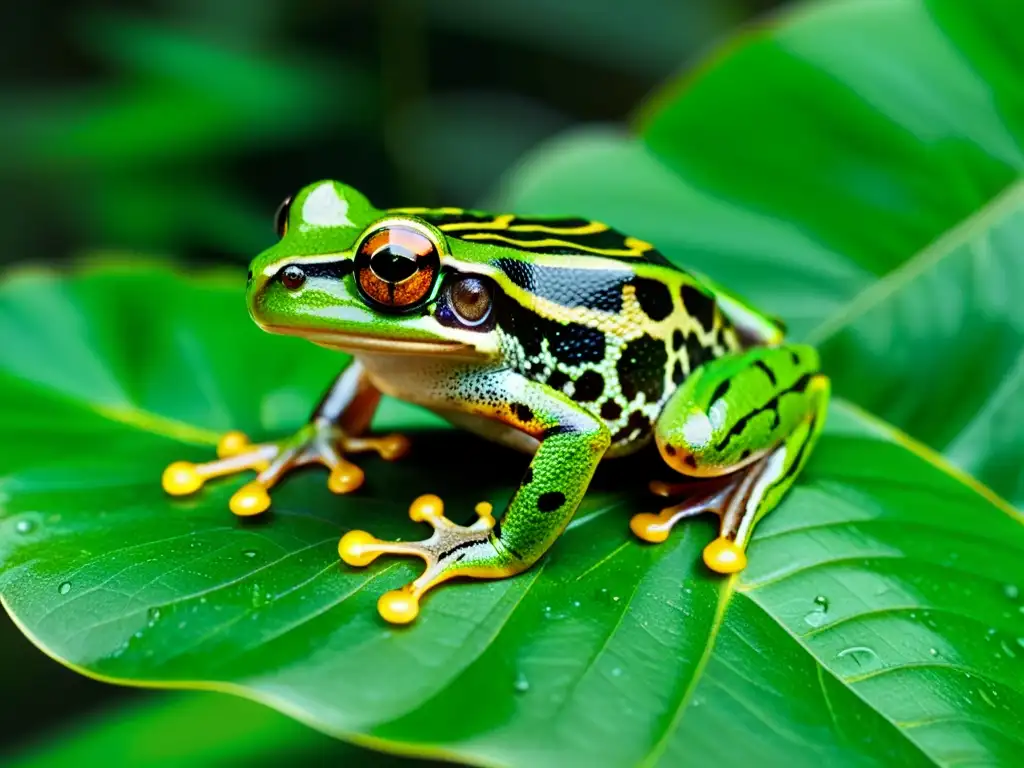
[
  {"x": 332, "y": 432},
  {"x": 750, "y": 420}
]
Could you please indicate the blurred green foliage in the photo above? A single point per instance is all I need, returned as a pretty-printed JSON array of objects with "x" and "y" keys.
[{"x": 176, "y": 126}]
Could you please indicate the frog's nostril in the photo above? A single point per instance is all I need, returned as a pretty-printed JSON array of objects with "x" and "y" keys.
[{"x": 248, "y": 279}]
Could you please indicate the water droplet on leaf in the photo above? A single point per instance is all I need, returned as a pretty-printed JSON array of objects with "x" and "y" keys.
[
  {"x": 249, "y": 553},
  {"x": 1011, "y": 591},
  {"x": 522, "y": 685},
  {"x": 860, "y": 655},
  {"x": 64, "y": 588},
  {"x": 817, "y": 615},
  {"x": 24, "y": 526}
]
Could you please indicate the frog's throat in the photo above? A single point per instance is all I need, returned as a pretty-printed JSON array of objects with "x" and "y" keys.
[{"x": 352, "y": 343}]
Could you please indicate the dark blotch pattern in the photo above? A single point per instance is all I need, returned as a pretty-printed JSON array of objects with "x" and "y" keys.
[
  {"x": 522, "y": 412},
  {"x": 767, "y": 371},
  {"x": 589, "y": 387},
  {"x": 610, "y": 410},
  {"x": 550, "y": 501},
  {"x": 677, "y": 340},
  {"x": 772, "y": 405},
  {"x": 678, "y": 374},
  {"x": 571, "y": 344},
  {"x": 558, "y": 380},
  {"x": 654, "y": 298},
  {"x": 719, "y": 392},
  {"x": 700, "y": 306},
  {"x": 637, "y": 427},
  {"x": 642, "y": 368},
  {"x": 696, "y": 353}
]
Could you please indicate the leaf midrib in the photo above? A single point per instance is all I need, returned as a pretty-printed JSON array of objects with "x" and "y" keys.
[{"x": 938, "y": 249}]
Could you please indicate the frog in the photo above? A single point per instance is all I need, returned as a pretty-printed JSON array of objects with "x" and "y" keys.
[{"x": 559, "y": 337}]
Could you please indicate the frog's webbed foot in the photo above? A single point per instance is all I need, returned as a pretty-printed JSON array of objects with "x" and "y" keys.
[
  {"x": 735, "y": 502},
  {"x": 318, "y": 442},
  {"x": 452, "y": 550}
]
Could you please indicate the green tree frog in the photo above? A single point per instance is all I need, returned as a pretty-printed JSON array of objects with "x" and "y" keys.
[{"x": 557, "y": 336}]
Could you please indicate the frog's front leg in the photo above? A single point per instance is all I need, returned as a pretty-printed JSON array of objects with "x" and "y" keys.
[
  {"x": 333, "y": 430},
  {"x": 571, "y": 442},
  {"x": 750, "y": 419}
]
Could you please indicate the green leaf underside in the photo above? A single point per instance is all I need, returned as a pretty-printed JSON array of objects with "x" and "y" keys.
[
  {"x": 880, "y": 619},
  {"x": 857, "y": 170}
]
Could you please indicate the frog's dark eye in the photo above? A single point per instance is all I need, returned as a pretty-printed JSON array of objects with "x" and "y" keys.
[
  {"x": 281, "y": 217},
  {"x": 292, "y": 277},
  {"x": 470, "y": 298},
  {"x": 396, "y": 267}
]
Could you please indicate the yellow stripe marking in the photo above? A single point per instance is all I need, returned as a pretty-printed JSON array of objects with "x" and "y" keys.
[{"x": 634, "y": 247}]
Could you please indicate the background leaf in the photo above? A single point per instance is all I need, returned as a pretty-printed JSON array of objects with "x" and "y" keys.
[
  {"x": 856, "y": 169},
  {"x": 813, "y": 650}
]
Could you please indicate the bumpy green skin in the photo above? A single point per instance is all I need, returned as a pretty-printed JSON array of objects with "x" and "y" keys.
[{"x": 593, "y": 346}]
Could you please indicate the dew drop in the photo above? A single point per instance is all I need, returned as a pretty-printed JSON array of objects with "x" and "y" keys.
[
  {"x": 24, "y": 526},
  {"x": 154, "y": 616},
  {"x": 249, "y": 553},
  {"x": 1011, "y": 591},
  {"x": 860, "y": 654},
  {"x": 521, "y": 685},
  {"x": 576, "y": 603},
  {"x": 64, "y": 588},
  {"x": 817, "y": 615},
  {"x": 616, "y": 672},
  {"x": 933, "y": 652},
  {"x": 1007, "y": 649}
]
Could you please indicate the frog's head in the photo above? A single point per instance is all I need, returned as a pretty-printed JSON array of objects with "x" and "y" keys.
[{"x": 349, "y": 276}]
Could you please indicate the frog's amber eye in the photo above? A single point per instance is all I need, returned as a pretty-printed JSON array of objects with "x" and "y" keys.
[
  {"x": 396, "y": 267},
  {"x": 281, "y": 216}
]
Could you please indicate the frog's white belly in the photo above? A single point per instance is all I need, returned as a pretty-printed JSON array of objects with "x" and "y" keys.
[{"x": 427, "y": 381}]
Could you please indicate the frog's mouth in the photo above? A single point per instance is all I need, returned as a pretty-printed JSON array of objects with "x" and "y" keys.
[{"x": 354, "y": 343}]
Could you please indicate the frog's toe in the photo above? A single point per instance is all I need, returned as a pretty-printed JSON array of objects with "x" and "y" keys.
[
  {"x": 181, "y": 478},
  {"x": 318, "y": 442},
  {"x": 452, "y": 550},
  {"x": 724, "y": 555},
  {"x": 655, "y": 528},
  {"x": 388, "y": 447},
  {"x": 251, "y": 499}
]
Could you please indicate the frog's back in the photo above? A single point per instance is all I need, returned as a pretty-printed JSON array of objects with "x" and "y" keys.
[
  {"x": 540, "y": 235},
  {"x": 599, "y": 315}
]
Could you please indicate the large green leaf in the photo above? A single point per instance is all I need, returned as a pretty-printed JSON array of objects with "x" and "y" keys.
[
  {"x": 880, "y": 620},
  {"x": 857, "y": 169}
]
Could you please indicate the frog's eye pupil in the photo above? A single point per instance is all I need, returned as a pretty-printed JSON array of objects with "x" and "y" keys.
[
  {"x": 393, "y": 263},
  {"x": 281, "y": 216},
  {"x": 292, "y": 277},
  {"x": 396, "y": 267},
  {"x": 471, "y": 300}
]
